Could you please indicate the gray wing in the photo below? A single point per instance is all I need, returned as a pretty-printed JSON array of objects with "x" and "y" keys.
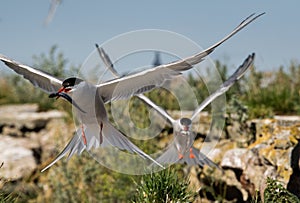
[
  {"x": 52, "y": 9},
  {"x": 38, "y": 78},
  {"x": 105, "y": 58},
  {"x": 226, "y": 85},
  {"x": 149, "y": 79},
  {"x": 141, "y": 82}
]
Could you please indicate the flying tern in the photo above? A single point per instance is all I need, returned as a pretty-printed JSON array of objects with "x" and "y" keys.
[
  {"x": 96, "y": 130},
  {"x": 52, "y": 9},
  {"x": 181, "y": 150}
]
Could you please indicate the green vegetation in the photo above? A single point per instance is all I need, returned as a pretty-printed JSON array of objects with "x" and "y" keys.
[
  {"x": 263, "y": 93},
  {"x": 164, "y": 186},
  {"x": 275, "y": 192},
  {"x": 273, "y": 93},
  {"x": 7, "y": 198},
  {"x": 86, "y": 180}
]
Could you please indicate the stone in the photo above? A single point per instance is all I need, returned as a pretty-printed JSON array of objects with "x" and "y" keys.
[
  {"x": 26, "y": 118},
  {"x": 236, "y": 158},
  {"x": 17, "y": 158},
  {"x": 25, "y": 139}
]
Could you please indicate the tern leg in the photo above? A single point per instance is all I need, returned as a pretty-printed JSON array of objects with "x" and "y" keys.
[
  {"x": 192, "y": 156},
  {"x": 101, "y": 136},
  {"x": 83, "y": 135},
  {"x": 180, "y": 156}
]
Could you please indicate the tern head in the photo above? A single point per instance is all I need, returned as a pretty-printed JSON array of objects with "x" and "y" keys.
[
  {"x": 69, "y": 83},
  {"x": 185, "y": 125},
  {"x": 67, "y": 86}
]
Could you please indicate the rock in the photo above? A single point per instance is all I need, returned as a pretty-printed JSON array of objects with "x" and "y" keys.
[
  {"x": 24, "y": 139},
  {"x": 287, "y": 120},
  {"x": 237, "y": 158},
  {"x": 17, "y": 157},
  {"x": 269, "y": 155},
  {"x": 275, "y": 143},
  {"x": 25, "y": 118},
  {"x": 17, "y": 108}
]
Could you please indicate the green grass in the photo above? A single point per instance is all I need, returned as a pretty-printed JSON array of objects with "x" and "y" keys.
[
  {"x": 164, "y": 186},
  {"x": 275, "y": 192}
]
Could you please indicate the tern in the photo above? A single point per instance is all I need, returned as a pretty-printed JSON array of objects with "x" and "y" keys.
[
  {"x": 181, "y": 149},
  {"x": 96, "y": 130},
  {"x": 52, "y": 9}
]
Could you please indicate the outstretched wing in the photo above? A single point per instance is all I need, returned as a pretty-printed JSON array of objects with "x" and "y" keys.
[
  {"x": 53, "y": 6},
  {"x": 105, "y": 58},
  {"x": 226, "y": 85},
  {"x": 47, "y": 82},
  {"x": 149, "y": 79}
]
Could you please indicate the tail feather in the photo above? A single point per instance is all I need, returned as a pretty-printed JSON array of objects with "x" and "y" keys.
[
  {"x": 78, "y": 148},
  {"x": 114, "y": 137},
  {"x": 74, "y": 145},
  {"x": 201, "y": 159},
  {"x": 171, "y": 156}
]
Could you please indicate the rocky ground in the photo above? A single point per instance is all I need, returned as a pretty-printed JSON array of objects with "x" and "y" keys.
[
  {"x": 270, "y": 149},
  {"x": 248, "y": 152}
]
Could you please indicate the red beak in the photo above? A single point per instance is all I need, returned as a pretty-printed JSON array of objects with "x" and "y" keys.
[{"x": 62, "y": 89}]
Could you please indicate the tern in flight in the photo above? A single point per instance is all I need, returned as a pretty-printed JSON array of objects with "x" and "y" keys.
[
  {"x": 181, "y": 150},
  {"x": 89, "y": 99},
  {"x": 53, "y": 6}
]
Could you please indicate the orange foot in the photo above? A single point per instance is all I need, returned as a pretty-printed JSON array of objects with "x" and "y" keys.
[
  {"x": 192, "y": 156},
  {"x": 83, "y": 135},
  {"x": 180, "y": 156}
]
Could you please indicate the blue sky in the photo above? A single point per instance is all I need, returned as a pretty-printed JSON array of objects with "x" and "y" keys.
[{"x": 78, "y": 25}]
